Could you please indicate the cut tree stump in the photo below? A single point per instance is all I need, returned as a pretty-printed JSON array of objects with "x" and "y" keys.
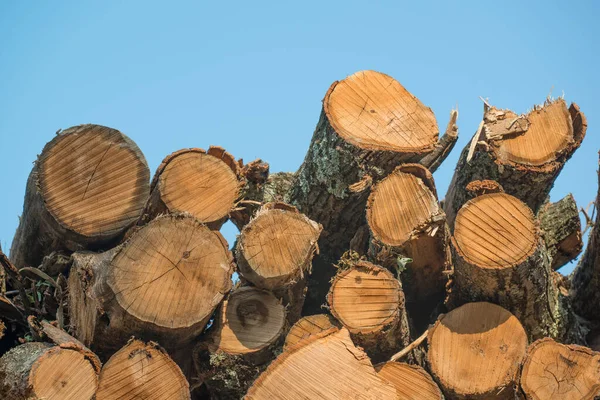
[
  {"x": 499, "y": 257},
  {"x": 274, "y": 252},
  {"x": 411, "y": 381},
  {"x": 163, "y": 284},
  {"x": 41, "y": 371},
  {"x": 556, "y": 371},
  {"x": 142, "y": 371},
  {"x": 86, "y": 188},
  {"x": 475, "y": 352},
  {"x": 309, "y": 326},
  {"x": 368, "y": 126},
  {"x": 523, "y": 153},
  {"x": 325, "y": 366},
  {"x": 247, "y": 334},
  {"x": 369, "y": 302}
]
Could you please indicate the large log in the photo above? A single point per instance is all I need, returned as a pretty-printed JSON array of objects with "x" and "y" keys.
[
  {"x": 86, "y": 188},
  {"x": 524, "y": 153},
  {"x": 411, "y": 381},
  {"x": 163, "y": 284},
  {"x": 475, "y": 352},
  {"x": 307, "y": 327}
]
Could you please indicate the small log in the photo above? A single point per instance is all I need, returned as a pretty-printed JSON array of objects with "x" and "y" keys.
[
  {"x": 255, "y": 174},
  {"x": 522, "y": 153},
  {"x": 553, "y": 370},
  {"x": 86, "y": 189},
  {"x": 142, "y": 371},
  {"x": 475, "y": 352},
  {"x": 163, "y": 284},
  {"x": 411, "y": 381},
  {"x": 307, "y": 327},
  {"x": 325, "y": 366},
  {"x": 369, "y": 302},
  {"x": 274, "y": 252},
  {"x": 41, "y": 371}
]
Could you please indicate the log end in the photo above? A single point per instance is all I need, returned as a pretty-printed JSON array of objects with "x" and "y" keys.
[
  {"x": 307, "y": 327},
  {"x": 410, "y": 381}
]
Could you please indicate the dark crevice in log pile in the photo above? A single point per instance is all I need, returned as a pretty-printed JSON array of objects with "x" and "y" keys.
[
  {"x": 86, "y": 188},
  {"x": 523, "y": 153}
]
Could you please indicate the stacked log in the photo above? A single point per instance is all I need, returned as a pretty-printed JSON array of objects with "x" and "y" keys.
[
  {"x": 410, "y": 381},
  {"x": 309, "y": 326}
]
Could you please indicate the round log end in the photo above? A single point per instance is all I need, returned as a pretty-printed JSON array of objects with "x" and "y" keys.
[
  {"x": 94, "y": 181},
  {"x": 410, "y": 381},
  {"x": 475, "y": 351},
  {"x": 373, "y": 111},
  {"x": 309, "y": 326}
]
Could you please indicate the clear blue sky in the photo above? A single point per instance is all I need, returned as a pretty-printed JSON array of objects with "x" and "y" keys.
[{"x": 250, "y": 76}]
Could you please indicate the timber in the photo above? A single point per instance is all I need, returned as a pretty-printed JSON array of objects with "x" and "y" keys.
[
  {"x": 309, "y": 326},
  {"x": 411, "y": 381}
]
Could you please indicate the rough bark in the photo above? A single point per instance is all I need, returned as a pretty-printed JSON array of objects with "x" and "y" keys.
[
  {"x": 492, "y": 154},
  {"x": 86, "y": 188},
  {"x": 252, "y": 197}
]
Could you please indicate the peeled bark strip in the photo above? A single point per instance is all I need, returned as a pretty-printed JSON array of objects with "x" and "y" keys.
[
  {"x": 142, "y": 371},
  {"x": 499, "y": 257},
  {"x": 556, "y": 371},
  {"x": 307, "y": 327},
  {"x": 205, "y": 184},
  {"x": 162, "y": 284},
  {"x": 369, "y": 302},
  {"x": 523, "y": 153},
  {"x": 368, "y": 126},
  {"x": 274, "y": 252},
  {"x": 561, "y": 228},
  {"x": 475, "y": 352},
  {"x": 41, "y": 371},
  {"x": 324, "y": 366},
  {"x": 248, "y": 331},
  {"x": 411, "y": 381},
  {"x": 86, "y": 188}
]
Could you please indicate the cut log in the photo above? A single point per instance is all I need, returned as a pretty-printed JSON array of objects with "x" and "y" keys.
[
  {"x": 205, "y": 184},
  {"x": 163, "y": 284},
  {"x": 255, "y": 175},
  {"x": 523, "y": 153},
  {"x": 369, "y": 302},
  {"x": 275, "y": 251},
  {"x": 325, "y": 366},
  {"x": 142, "y": 371},
  {"x": 409, "y": 235},
  {"x": 411, "y": 381},
  {"x": 556, "y": 371},
  {"x": 307, "y": 327},
  {"x": 41, "y": 371},
  {"x": 475, "y": 352},
  {"x": 86, "y": 188},
  {"x": 561, "y": 229},
  {"x": 247, "y": 335},
  {"x": 499, "y": 257},
  {"x": 368, "y": 126}
]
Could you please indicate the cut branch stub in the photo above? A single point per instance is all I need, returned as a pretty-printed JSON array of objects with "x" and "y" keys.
[
  {"x": 162, "y": 284},
  {"x": 553, "y": 370},
  {"x": 86, "y": 188},
  {"x": 205, "y": 184},
  {"x": 368, "y": 301},
  {"x": 411, "y": 381},
  {"x": 142, "y": 371},
  {"x": 499, "y": 257},
  {"x": 42, "y": 371},
  {"x": 475, "y": 352},
  {"x": 307, "y": 327},
  {"x": 325, "y": 366}
]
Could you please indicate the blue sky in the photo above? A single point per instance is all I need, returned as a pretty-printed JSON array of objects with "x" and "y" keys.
[{"x": 250, "y": 76}]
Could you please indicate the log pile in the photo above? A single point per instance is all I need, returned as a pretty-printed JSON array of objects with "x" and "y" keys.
[{"x": 353, "y": 278}]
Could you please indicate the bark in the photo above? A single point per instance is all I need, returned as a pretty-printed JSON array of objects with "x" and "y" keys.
[
  {"x": 255, "y": 174},
  {"x": 85, "y": 190},
  {"x": 492, "y": 155},
  {"x": 411, "y": 381},
  {"x": 278, "y": 187}
]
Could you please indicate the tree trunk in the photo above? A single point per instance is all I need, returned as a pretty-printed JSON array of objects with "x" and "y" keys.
[
  {"x": 523, "y": 153},
  {"x": 327, "y": 366},
  {"x": 553, "y": 370},
  {"x": 409, "y": 235},
  {"x": 411, "y": 381},
  {"x": 475, "y": 352},
  {"x": 41, "y": 371},
  {"x": 86, "y": 188},
  {"x": 162, "y": 284},
  {"x": 247, "y": 335},
  {"x": 368, "y": 126},
  {"x": 274, "y": 252},
  {"x": 369, "y": 302},
  {"x": 142, "y": 371},
  {"x": 307, "y": 327}
]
